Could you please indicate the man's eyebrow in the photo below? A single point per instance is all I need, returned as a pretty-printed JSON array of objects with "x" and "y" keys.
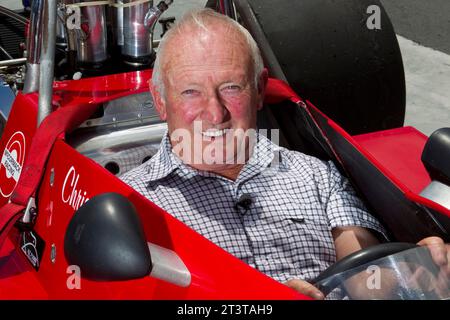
[
  {"x": 229, "y": 82},
  {"x": 235, "y": 76}
]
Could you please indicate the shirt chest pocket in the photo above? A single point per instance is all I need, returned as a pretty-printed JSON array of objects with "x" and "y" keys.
[
  {"x": 303, "y": 222},
  {"x": 290, "y": 212},
  {"x": 294, "y": 237},
  {"x": 290, "y": 225}
]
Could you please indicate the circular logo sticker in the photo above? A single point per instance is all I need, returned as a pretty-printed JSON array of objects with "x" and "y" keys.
[{"x": 11, "y": 163}]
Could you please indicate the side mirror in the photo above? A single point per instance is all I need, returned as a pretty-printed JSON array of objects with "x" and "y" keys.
[
  {"x": 436, "y": 159},
  {"x": 436, "y": 155},
  {"x": 105, "y": 239}
]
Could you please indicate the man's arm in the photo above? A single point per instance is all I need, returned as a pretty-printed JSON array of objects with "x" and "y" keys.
[
  {"x": 346, "y": 240},
  {"x": 351, "y": 239}
]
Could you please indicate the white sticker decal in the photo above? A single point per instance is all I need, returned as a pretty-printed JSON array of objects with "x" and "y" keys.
[{"x": 11, "y": 163}]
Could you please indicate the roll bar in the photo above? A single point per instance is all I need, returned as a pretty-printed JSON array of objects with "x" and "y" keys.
[
  {"x": 47, "y": 63},
  {"x": 41, "y": 54}
]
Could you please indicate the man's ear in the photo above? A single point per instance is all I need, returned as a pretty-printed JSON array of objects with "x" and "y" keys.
[
  {"x": 160, "y": 103},
  {"x": 262, "y": 83}
]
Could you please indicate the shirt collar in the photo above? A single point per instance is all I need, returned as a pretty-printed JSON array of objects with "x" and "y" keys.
[
  {"x": 164, "y": 162},
  {"x": 262, "y": 159}
]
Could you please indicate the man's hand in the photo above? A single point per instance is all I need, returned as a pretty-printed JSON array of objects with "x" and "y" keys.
[
  {"x": 305, "y": 288},
  {"x": 347, "y": 240},
  {"x": 440, "y": 252}
]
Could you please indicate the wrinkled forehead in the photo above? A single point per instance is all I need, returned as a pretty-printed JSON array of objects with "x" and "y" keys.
[{"x": 219, "y": 47}]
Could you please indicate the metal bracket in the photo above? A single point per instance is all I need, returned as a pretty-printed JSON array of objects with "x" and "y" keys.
[{"x": 29, "y": 216}]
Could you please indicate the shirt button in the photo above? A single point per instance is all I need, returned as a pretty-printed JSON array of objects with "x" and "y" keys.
[
  {"x": 249, "y": 222},
  {"x": 262, "y": 262}
]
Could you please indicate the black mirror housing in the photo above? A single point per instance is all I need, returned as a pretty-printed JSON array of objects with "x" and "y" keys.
[
  {"x": 436, "y": 155},
  {"x": 105, "y": 239}
]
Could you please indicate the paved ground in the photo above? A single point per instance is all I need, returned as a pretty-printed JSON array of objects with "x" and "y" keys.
[
  {"x": 427, "y": 22},
  {"x": 427, "y": 74}
]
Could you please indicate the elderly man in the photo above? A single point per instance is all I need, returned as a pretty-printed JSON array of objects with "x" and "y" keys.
[{"x": 290, "y": 218}]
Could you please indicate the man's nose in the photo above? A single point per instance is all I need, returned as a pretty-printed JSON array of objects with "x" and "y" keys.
[{"x": 215, "y": 111}]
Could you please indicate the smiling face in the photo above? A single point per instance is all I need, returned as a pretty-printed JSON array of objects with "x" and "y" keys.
[{"x": 210, "y": 93}]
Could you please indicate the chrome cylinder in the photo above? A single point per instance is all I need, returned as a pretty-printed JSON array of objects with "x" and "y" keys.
[
  {"x": 34, "y": 47},
  {"x": 35, "y": 31},
  {"x": 92, "y": 35},
  {"x": 137, "y": 39},
  {"x": 118, "y": 24}
]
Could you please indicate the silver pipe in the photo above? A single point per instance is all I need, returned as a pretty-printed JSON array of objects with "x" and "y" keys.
[
  {"x": 35, "y": 31},
  {"x": 118, "y": 24},
  {"x": 152, "y": 16},
  {"x": 34, "y": 47},
  {"x": 47, "y": 61},
  {"x": 12, "y": 62},
  {"x": 138, "y": 25},
  {"x": 31, "y": 83}
]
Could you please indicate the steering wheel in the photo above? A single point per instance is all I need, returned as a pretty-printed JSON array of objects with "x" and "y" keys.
[{"x": 355, "y": 260}]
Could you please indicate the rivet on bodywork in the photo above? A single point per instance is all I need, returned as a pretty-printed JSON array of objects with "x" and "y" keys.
[
  {"x": 53, "y": 253},
  {"x": 52, "y": 177}
]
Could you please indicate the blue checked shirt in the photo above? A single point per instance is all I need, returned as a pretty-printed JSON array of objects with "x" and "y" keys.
[{"x": 286, "y": 231}]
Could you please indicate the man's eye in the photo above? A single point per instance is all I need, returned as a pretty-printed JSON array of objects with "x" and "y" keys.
[
  {"x": 189, "y": 92},
  {"x": 231, "y": 88}
]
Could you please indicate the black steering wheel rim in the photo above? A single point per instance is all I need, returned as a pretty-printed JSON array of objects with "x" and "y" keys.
[{"x": 355, "y": 260}]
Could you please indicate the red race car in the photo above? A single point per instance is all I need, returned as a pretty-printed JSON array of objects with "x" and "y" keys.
[{"x": 76, "y": 114}]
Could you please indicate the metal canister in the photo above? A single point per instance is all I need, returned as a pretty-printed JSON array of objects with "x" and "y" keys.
[
  {"x": 92, "y": 35},
  {"x": 137, "y": 39}
]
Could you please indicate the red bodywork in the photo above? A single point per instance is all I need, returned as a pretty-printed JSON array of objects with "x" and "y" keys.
[{"x": 215, "y": 273}]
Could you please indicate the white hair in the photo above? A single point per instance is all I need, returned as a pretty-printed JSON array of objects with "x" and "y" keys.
[{"x": 203, "y": 19}]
